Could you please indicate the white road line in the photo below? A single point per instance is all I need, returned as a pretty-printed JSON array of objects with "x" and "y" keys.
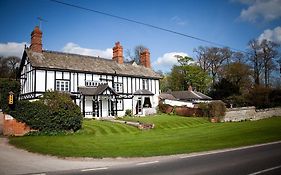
[
  {"x": 265, "y": 170},
  {"x": 94, "y": 169},
  {"x": 39, "y": 174},
  {"x": 145, "y": 163}
]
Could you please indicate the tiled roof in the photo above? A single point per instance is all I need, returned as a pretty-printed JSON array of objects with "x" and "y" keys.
[
  {"x": 95, "y": 90},
  {"x": 75, "y": 62},
  {"x": 166, "y": 96},
  {"x": 189, "y": 95},
  {"x": 143, "y": 92}
]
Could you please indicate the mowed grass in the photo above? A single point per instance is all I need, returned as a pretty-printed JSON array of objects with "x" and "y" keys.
[{"x": 171, "y": 135}]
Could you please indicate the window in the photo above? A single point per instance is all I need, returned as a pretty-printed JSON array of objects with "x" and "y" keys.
[
  {"x": 120, "y": 104},
  {"x": 90, "y": 83},
  {"x": 145, "y": 84},
  {"x": 62, "y": 85},
  {"x": 118, "y": 87}
]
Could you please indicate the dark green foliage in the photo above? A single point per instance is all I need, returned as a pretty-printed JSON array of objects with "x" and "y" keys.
[
  {"x": 236, "y": 101},
  {"x": 216, "y": 109},
  {"x": 54, "y": 112},
  {"x": 224, "y": 89},
  {"x": 128, "y": 112},
  {"x": 213, "y": 109},
  {"x": 7, "y": 85}
]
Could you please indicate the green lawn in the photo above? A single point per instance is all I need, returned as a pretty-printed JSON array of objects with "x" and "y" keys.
[{"x": 171, "y": 135}]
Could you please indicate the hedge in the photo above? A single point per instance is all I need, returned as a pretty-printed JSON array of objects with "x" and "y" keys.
[{"x": 55, "y": 111}]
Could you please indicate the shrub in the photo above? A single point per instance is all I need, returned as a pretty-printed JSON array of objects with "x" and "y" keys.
[
  {"x": 55, "y": 111},
  {"x": 165, "y": 108},
  {"x": 204, "y": 109},
  {"x": 216, "y": 109},
  {"x": 213, "y": 109},
  {"x": 128, "y": 112}
]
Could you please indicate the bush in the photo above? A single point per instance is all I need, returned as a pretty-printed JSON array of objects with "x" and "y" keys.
[
  {"x": 7, "y": 85},
  {"x": 216, "y": 109},
  {"x": 165, "y": 108},
  {"x": 128, "y": 112},
  {"x": 213, "y": 109},
  {"x": 54, "y": 112}
]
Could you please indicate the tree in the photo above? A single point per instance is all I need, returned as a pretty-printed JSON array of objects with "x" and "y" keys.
[
  {"x": 9, "y": 66},
  {"x": 135, "y": 56},
  {"x": 239, "y": 74},
  {"x": 211, "y": 59},
  {"x": 186, "y": 74},
  {"x": 255, "y": 59},
  {"x": 268, "y": 53}
]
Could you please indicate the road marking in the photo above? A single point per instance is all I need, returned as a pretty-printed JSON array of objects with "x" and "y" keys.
[
  {"x": 145, "y": 163},
  {"x": 227, "y": 150},
  {"x": 265, "y": 170},
  {"x": 39, "y": 174},
  {"x": 94, "y": 169}
]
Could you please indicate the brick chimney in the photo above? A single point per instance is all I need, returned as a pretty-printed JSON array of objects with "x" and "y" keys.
[
  {"x": 36, "y": 40},
  {"x": 145, "y": 58},
  {"x": 118, "y": 53}
]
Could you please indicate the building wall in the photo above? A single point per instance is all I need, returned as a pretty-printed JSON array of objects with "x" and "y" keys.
[{"x": 39, "y": 81}]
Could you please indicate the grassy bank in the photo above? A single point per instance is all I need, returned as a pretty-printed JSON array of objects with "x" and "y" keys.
[{"x": 171, "y": 135}]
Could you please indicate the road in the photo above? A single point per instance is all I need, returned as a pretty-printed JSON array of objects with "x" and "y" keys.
[
  {"x": 260, "y": 159},
  {"x": 263, "y": 160}
]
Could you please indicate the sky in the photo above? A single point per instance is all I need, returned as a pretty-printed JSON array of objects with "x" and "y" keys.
[{"x": 67, "y": 29}]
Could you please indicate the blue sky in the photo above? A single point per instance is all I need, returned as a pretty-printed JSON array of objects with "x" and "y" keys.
[{"x": 229, "y": 22}]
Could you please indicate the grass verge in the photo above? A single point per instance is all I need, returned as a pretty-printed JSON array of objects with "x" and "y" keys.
[{"x": 171, "y": 135}]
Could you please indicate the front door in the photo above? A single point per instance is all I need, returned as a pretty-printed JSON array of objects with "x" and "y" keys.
[{"x": 138, "y": 106}]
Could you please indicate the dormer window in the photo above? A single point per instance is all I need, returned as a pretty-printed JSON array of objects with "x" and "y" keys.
[{"x": 89, "y": 83}]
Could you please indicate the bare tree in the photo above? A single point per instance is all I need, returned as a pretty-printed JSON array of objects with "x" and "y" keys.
[
  {"x": 255, "y": 59},
  {"x": 135, "y": 55},
  {"x": 202, "y": 57},
  {"x": 268, "y": 53},
  {"x": 9, "y": 66}
]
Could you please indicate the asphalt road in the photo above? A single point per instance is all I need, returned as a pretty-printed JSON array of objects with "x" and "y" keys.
[{"x": 256, "y": 160}]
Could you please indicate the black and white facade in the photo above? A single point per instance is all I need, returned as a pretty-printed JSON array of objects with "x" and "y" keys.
[{"x": 101, "y": 87}]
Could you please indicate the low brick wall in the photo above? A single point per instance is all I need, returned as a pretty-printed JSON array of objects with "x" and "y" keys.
[
  {"x": 11, "y": 127},
  {"x": 186, "y": 111},
  {"x": 1, "y": 122},
  {"x": 249, "y": 113}
]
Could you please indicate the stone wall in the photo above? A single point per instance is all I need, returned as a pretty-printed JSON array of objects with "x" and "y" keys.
[{"x": 249, "y": 113}]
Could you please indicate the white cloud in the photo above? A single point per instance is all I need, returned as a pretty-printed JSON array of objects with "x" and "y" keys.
[
  {"x": 271, "y": 35},
  {"x": 75, "y": 48},
  {"x": 12, "y": 49},
  {"x": 178, "y": 21},
  {"x": 266, "y": 10},
  {"x": 166, "y": 61}
]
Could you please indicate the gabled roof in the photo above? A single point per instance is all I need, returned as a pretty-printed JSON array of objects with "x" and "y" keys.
[
  {"x": 167, "y": 96},
  {"x": 143, "y": 92},
  {"x": 189, "y": 95},
  {"x": 96, "y": 90},
  {"x": 81, "y": 63}
]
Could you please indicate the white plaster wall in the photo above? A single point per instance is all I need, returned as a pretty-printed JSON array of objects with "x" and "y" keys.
[
  {"x": 58, "y": 75},
  {"x": 81, "y": 81},
  {"x": 50, "y": 80},
  {"x": 40, "y": 80}
]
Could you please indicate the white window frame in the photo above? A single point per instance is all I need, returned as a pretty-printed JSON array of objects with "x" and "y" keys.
[
  {"x": 62, "y": 85},
  {"x": 118, "y": 87}
]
